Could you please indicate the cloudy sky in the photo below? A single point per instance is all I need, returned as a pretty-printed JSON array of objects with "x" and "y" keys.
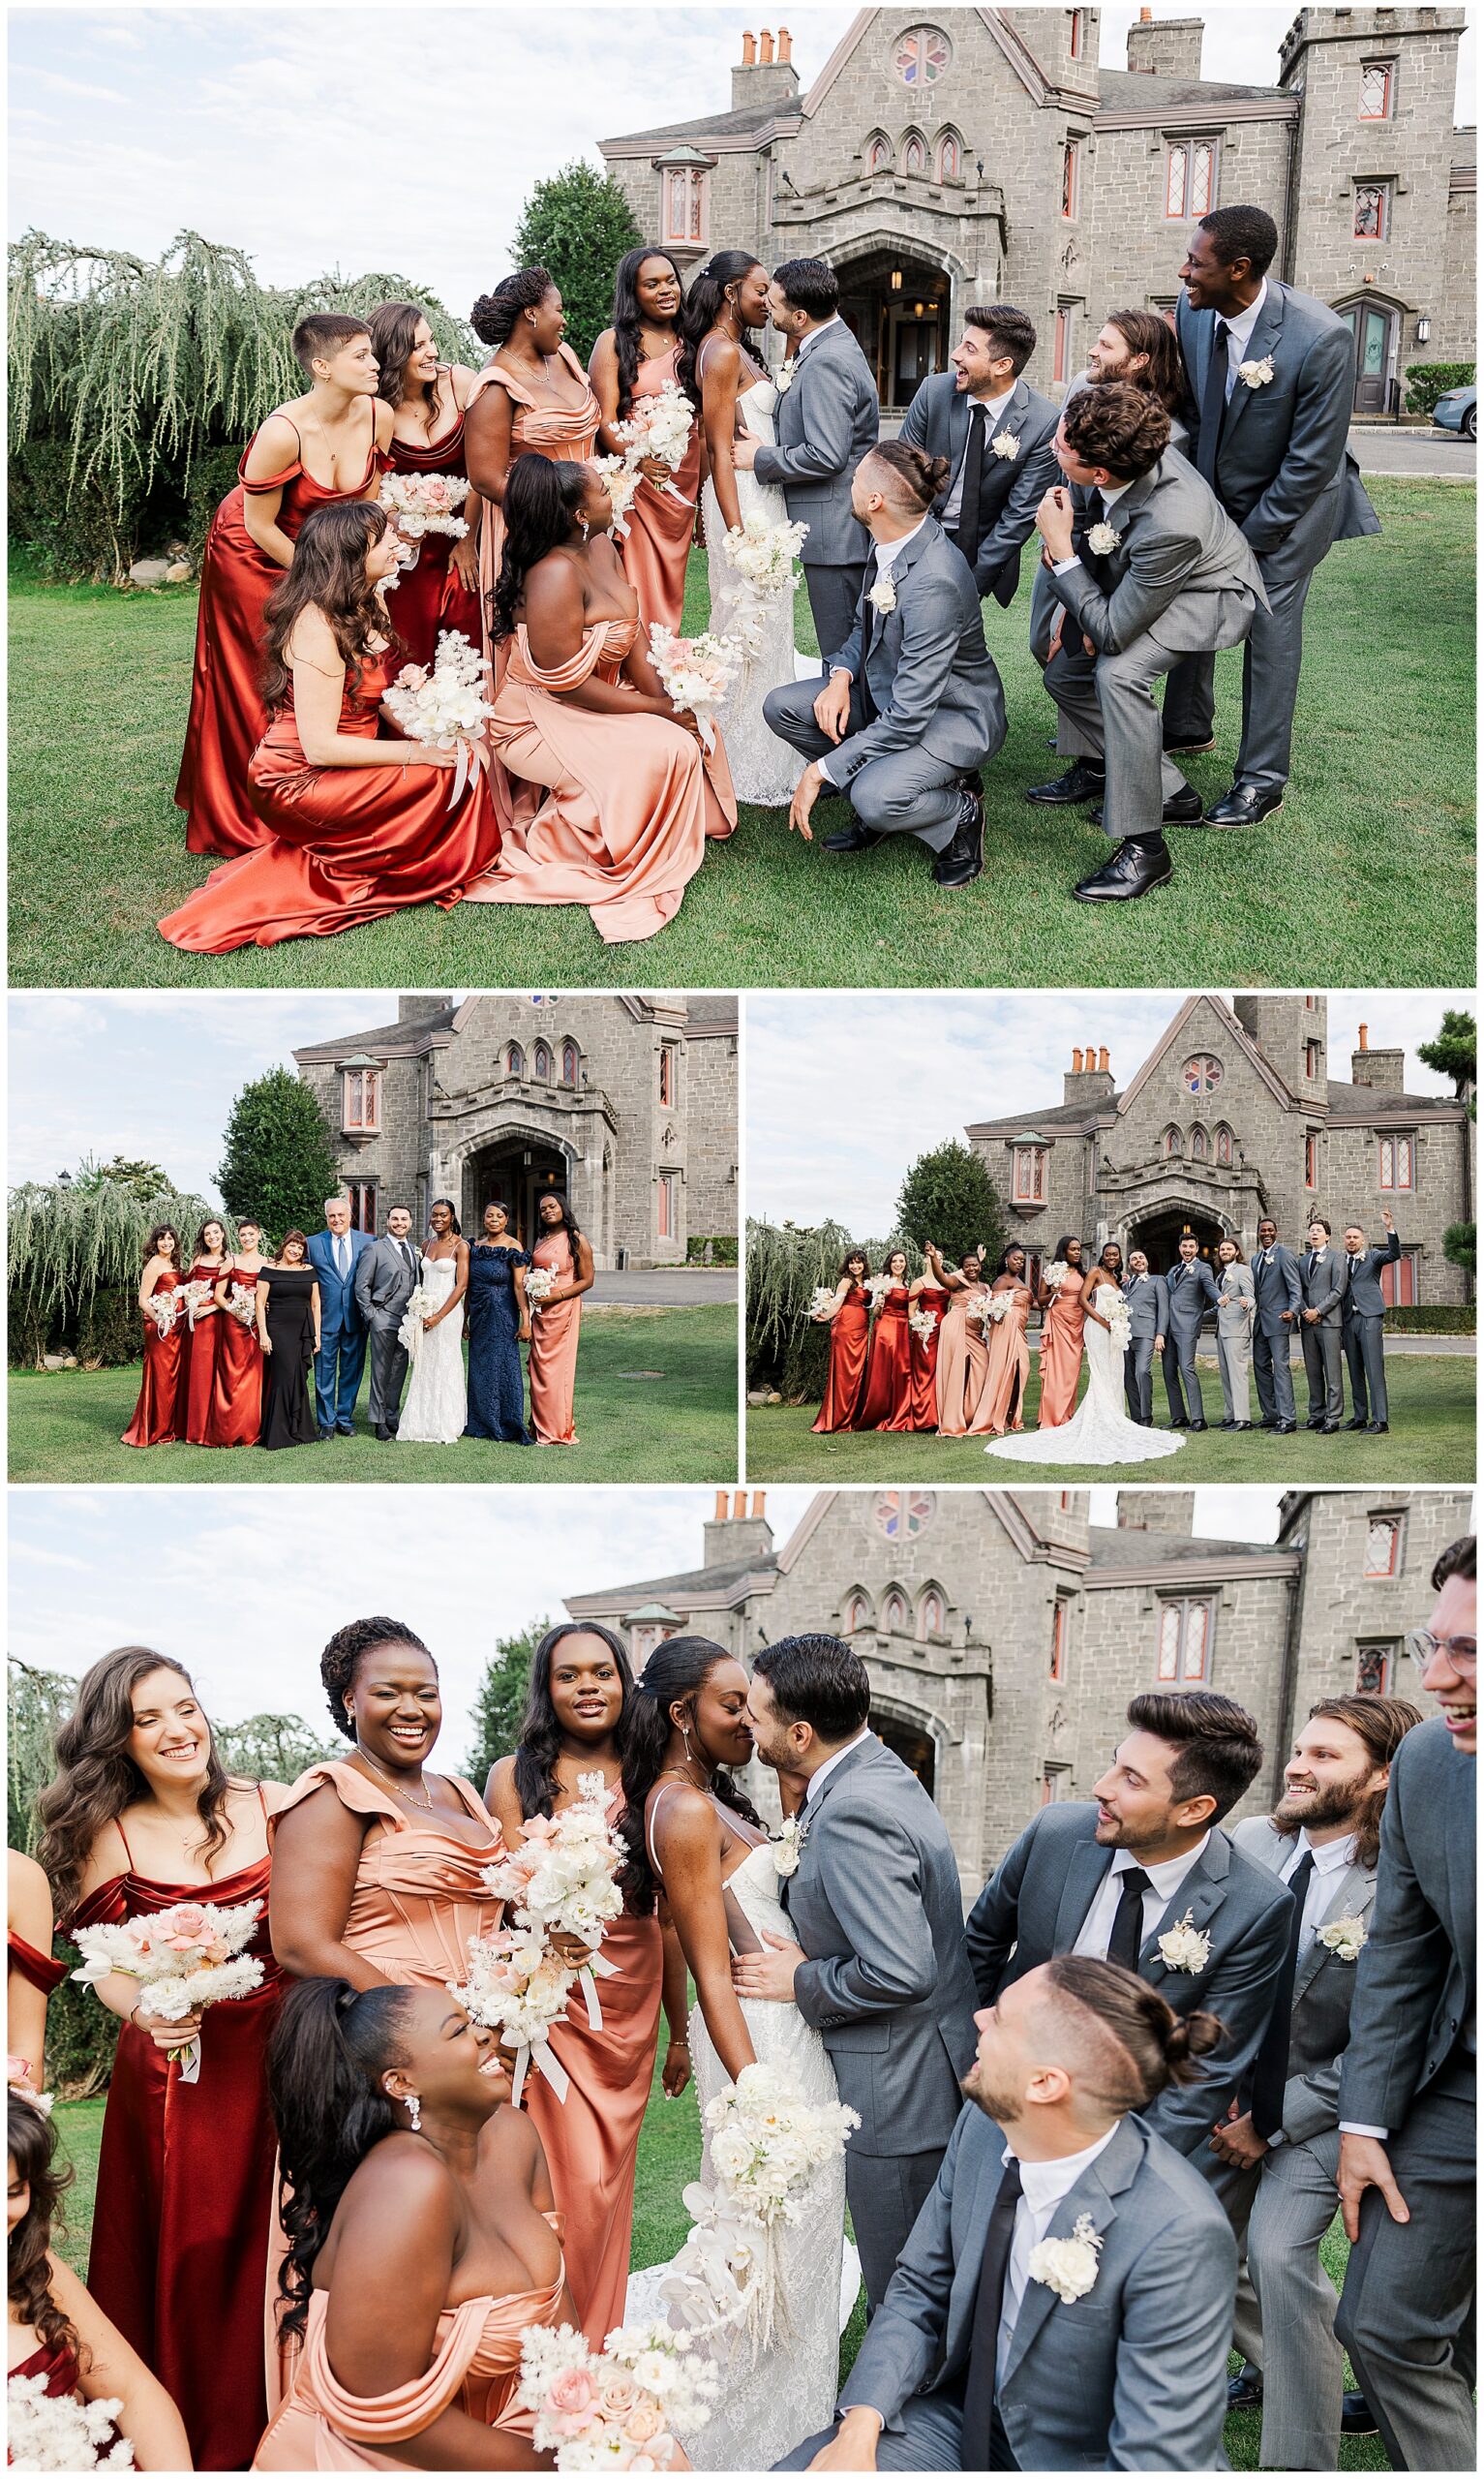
[
  {"x": 298, "y": 135},
  {"x": 844, "y": 1091}
]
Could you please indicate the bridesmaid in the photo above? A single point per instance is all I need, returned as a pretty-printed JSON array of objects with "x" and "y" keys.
[
  {"x": 575, "y": 1723},
  {"x": 236, "y": 1397},
  {"x": 326, "y": 447},
  {"x": 644, "y": 347},
  {"x": 848, "y": 1318},
  {"x": 143, "y": 1815},
  {"x": 495, "y": 1322},
  {"x": 1061, "y": 1336},
  {"x": 428, "y": 399},
  {"x": 552, "y": 1360},
  {"x": 288, "y": 1341},
  {"x": 202, "y": 1331},
  {"x": 888, "y": 1403},
  {"x": 964, "y": 1360},
  {"x": 1001, "y": 1404},
  {"x": 359, "y": 819},
  {"x": 629, "y": 799},
  {"x": 31, "y": 1974},
  {"x": 159, "y": 1414},
  {"x": 929, "y": 1299},
  {"x": 424, "y": 2240}
]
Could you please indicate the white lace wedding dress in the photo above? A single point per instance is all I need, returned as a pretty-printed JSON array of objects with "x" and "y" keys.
[
  {"x": 1099, "y": 1431},
  {"x": 764, "y": 770},
  {"x": 771, "y": 2403},
  {"x": 436, "y": 1404}
]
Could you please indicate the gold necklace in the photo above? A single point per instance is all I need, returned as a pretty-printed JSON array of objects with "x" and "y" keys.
[{"x": 389, "y": 1778}]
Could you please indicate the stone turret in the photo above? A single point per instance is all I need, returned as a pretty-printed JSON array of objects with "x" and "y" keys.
[
  {"x": 1089, "y": 1079},
  {"x": 1169, "y": 47},
  {"x": 734, "y": 1535}
]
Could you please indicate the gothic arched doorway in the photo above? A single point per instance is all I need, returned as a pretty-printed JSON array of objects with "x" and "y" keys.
[
  {"x": 895, "y": 304},
  {"x": 1160, "y": 1236},
  {"x": 909, "y": 1740},
  {"x": 513, "y": 1172}
]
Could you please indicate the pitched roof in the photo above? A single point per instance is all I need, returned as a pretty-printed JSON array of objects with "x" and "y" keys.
[
  {"x": 382, "y": 1037},
  {"x": 1364, "y": 1101},
  {"x": 694, "y": 1580},
  {"x": 1133, "y": 90},
  {"x": 1129, "y": 1546},
  {"x": 741, "y": 124},
  {"x": 1066, "y": 1115}
]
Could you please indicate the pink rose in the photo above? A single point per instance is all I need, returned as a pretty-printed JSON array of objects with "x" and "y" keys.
[
  {"x": 572, "y": 2401},
  {"x": 18, "y": 2070},
  {"x": 643, "y": 2422},
  {"x": 620, "y": 2395},
  {"x": 434, "y": 490},
  {"x": 187, "y": 1925}
]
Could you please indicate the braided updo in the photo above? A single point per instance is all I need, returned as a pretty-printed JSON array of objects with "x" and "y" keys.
[
  {"x": 495, "y": 314},
  {"x": 339, "y": 1659}
]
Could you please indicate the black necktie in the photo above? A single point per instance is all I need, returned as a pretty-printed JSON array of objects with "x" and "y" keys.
[
  {"x": 981, "y": 2418},
  {"x": 1128, "y": 1931},
  {"x": 1270, "y": 2070},
  {"x": 966, "y": 532},
  {"x": 406, "y": 1257},
  {"x": 867, "y": 633},
  {"x": 1213, "y": 406}
]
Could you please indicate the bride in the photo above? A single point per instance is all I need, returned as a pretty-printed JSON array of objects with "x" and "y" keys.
[
  {"x": 1099, "y": 1431},
  {"x": 726, "y": 305},
  {"x": 705, "y": 1849},
  {"x": 436, "y": 1411}
]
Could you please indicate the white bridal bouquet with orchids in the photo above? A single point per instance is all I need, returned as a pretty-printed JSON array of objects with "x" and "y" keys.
[
  {"x": 410, "y": 1331},
  {"x": 761, "y": 557},
  {"x": 1120, "y": 1323},
  {"x": 185, "y": 1957},
  {"x": 445, "y": 707},
  {"x": 561, "y": 1885},
  {"x": 61, "y": 2432},
  {"x": 659, "y": 427},
  {"x": 695, "y": 673},
  {"x": 617, "y": 2409},
  {"x": 420, "y": 503}
]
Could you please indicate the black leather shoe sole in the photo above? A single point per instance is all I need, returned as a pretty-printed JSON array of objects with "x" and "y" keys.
[
  {"x": 1244, "y": 2392},
  {"x": 852, "y": 838},
  {"x": 1188, "y": 748}
]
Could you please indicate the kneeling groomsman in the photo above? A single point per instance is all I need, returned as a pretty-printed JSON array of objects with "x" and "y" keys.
[
  {"x": 1148, "y": 1325},
  {"x": 1064, "y": 2302},
  {"x": 1279, "y": 1296},
  {"x": 1321, "y": 1277},
  {"x": 1362, "y": 1323},
  {"x": 1192, "y": 1290}
]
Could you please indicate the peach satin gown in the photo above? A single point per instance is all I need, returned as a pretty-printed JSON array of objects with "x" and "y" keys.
[
  {"x": 1061, "y": 1352},
  {"x": 964, "y": 1364},
  {"x": 660, "y": 526},
  {"x": 540, "y": 424},
  {"x": 1001, "y": 1404},
  {"x": 551, "y": 1364}
]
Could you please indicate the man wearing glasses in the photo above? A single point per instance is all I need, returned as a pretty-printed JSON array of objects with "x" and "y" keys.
[{"x": 1407, "y": 2083}]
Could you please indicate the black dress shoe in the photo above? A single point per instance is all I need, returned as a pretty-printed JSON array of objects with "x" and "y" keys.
[
  {"x": 1245, "y": 804},
  {"x": 1356, "y": 2417},
  {"x": 1198, "y": 1424},
  {"x": 1241, "y": 1425},
  {"x": 1244, "y": 2392},
  {"x": 1283, "y": 1429},
  {"x": 1359, "y": 1423},
  {"x": 1269, "y": 1423},
  {"x": 1132, "y": 870},
  {"x": 961, "y": 862},
  {"x": 1378, "y": 1428},
  {"x": 383, "y": 1433},
  {"x": 1229, "y": 1425},
  {"x": 1182, "y": 809},
  {"x": 853, "y": 838},
  {"x": 1188, "y": 747},
  {"x": 1080, "y": 782},
  {"x": 1315, "y": 1423},
  {"x": 1329, "y": 1429}
]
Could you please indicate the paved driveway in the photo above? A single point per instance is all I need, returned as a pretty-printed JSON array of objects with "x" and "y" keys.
[
  {"x": 1380, "y": 449},
  {"x": 668, "y": 1287}
]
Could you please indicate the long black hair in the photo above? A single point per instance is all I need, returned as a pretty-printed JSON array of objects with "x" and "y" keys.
[
  {"x": 454, "y": 1224},
  {"x": 1072, "y": 1240},
  {"x": 542, "y": 496},
  {"x": 330, "y": 2047},
  {"x": 628, "y": 328},
  {"x": 541, "y": 1740},
  {"x": 708, "y": 290},
  {"x": 33, "y": 2148},
  {"x": 566, "y": 1223},
  {"x": 676, "y": 1671}
]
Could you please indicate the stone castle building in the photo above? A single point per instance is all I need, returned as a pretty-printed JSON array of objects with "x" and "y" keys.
[
  {"x": 983, "y": 154},
  {"x": 1233, "y": 1115},
  {"x": 1004, "y": 1632},
  {"x": 625, "y": 1105}
]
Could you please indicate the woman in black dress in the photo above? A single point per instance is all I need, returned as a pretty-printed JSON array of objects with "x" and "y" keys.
[
  {"x": 495, "y": 1320},
  {"x": 288, "y": 1330}
]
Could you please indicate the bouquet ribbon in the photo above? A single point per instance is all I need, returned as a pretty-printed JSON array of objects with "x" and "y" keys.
[
  {"x": 470, "y": 757},
  {"x": 585, "y": 1981},
  {"x": 542, "y": 2051},
  {"x": 189, "y": 2061}
]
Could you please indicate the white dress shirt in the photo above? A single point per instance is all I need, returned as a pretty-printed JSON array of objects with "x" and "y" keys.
[
  {"x": 886, "y": 555},
  {"x": 1165, "y": 1879},
  {"x": 817, "y": 1779},
  {"x": 1043, "y": 2185},
  {"x": 1109, "y": 493},
  {"x": 1239, "y": 335},
  {"x": 991, "y": 407},
  {"x": 825, "y": 323}
]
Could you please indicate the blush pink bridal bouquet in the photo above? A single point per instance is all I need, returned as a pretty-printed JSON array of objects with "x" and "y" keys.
[
  {"x": 695, "y": 673},
  {"x": 561, "y": 1880},
  {"x": 659, "y": 427},
  {"x": 445, "y": 707},
  {"x": 185, "y": 1957},
  {"x": 420, "y": 503},
  {"x": 620, "y": 2408}
]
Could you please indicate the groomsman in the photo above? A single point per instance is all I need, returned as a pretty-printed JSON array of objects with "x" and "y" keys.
[
  {"x": 1148, "y": 568},
  {"x": 341, "y": 1355},
  {"x": 1362, "y": 1323},
  {"x": 1148, "y": 1326},
  {"x": 1145, "y": 1877},
  {"x": 1279, "y": 1296},
  {"x": 1321, "y": 1278},
  {"x": 828, "y": 416},
  {"x": 975, "y": 2362},
  {"x": 1407, "y": 2080},
  {"x": 996, "y": 433},
  {"x": 1193, "y": 1289},
  {"x": 1281, "y": 2144},
  {"x": 1272, "y": 375},
  {"x": 386, "y": 1279}
]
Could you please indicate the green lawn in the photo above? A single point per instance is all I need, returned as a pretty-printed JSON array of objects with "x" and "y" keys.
[
  {"x": 657, "y": 1401},
  {"x": 1366, "y": 877}
]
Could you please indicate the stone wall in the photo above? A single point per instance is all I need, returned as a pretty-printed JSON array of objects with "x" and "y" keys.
[
  {"x": 1137, "y": 250},
  {"x": 1341, "y": 1607}
]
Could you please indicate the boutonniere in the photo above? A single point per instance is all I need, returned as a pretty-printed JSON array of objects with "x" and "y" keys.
[
  {"x": 1184, "y": 1949},
  {"x": 883, "y": 597},
  {"x": 1256, "y": 374},
  {"x": 1102, "y": 539},
  {"x": 1004, "y": 443},
  {"x": 1345, "y": 1937},
  {"x": 785, "y": 379},
  {"x": 787, "y": 1845},
  {"x": 1067, "y": 2265}
]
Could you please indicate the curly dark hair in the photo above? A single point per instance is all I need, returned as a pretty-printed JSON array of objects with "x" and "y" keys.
[
  {"x": 162, "y": 1231},
  {"x": 495, "y": 314},
  {"x": 1458, "y": 1559},
  {"x": 329, "y": 574},
  {"x": 345, "y": 1649},
  {"x": 674, "y": 1672},
  {"x": 916, "y": 479},
  {"x": 1123, "y": 429},
  {"x": 852, "y": 1257},
  {"x": 542, "y": 496},
  {"x": 628, "y": 328},
  {"x": 330, "y": 2045},
  {"x": 33, "y": 2148},
  {"x": 97, "y": 1778}
]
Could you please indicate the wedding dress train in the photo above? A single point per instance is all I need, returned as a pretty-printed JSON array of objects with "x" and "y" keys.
[
  {"x": 764, "y": 770},
  {"x": 437, "y": 1406},
  {"x": 1099, "y": 1431}
]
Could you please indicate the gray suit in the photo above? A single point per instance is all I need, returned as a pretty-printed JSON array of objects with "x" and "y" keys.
[
  {"x": 1283, "y": 472},
  {"x": 1362, "y": 1328},
  {"x": 827, "y": 418},
  {"x": 1277, "y": 1286},
  {"x": 1321, "y": 1279},
  {"x": 876, "y": 1906},
  {"x": 1181, "y": 578},
  {"x": 1035, "y": 1904},
  {"x": 926, "y": 704},
  {"x": 1148, "y": 1323},
  {"x": 1285, "y": 2301},
  {"x": 1044, "y": 603},
  {"x": 1233, "y": 1338},
  {"x": 1406, "y": 2312},
  {"x": 1131, "y": 2376},
  {"x": 1192, "y": 1292},
  {"x": 384, "y": 1283},
  {"x": 1011, "y": 487}
]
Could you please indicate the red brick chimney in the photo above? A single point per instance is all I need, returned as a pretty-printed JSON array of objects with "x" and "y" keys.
[
  {"x": 749, "y": 51},
  {"x": 1076, "y": 1063},
  {"x": 765, "y": 51},
  {"x": 785, "y": 44}
]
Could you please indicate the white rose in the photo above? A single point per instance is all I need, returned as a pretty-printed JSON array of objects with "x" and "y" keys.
[
  {"x": 1004, "y": 443},
  {"x": 1102, "y": 539},
  {"x": 785, "y": 379},
  {"x": 1344, "y": 1937},
  {"x": 1256, "y": 374},
  {"x": 883, "y": 597},
  {"x": 1184, "y": 1949},
  {"x": 1067, "y": 2265}
]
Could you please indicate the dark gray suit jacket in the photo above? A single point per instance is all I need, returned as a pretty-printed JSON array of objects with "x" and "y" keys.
[
  {"x": 1363, "y": 1294},
  {"x": 1323, "y": 1988},
  {"x": 1416, "y": 1980},
  {"x": 827, "y": 418},
  {"x": 1133, "y": 2375},
  {"x": 931, "y": 674},
  {"x": 1324, "y": 1281},
  {"x": 1191, "y": 1296},
  {"x": 1011, "y": 488},
  {"x": 876, "y": 1906},
  {"x": 1034, "y": 1906},
  {"x": 1148, "y": 1308},
  {"x": 382, "y": 1284},
  {"x": 1277, "y": 1286},
  {"x": 1181, "y": 572}
]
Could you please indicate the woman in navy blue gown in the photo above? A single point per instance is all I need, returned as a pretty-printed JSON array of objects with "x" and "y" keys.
[{"x": 496, "y": 1320}]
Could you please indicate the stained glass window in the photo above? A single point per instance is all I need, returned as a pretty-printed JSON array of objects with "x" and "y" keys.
[
  {"x": 922, "y": 56},
  {"x": 902, "y": 1514},
  {"x": 1201, "y": 1074}
]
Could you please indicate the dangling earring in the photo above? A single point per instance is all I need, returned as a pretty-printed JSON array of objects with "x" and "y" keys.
[
  {"x": 583, "y": 528},
  {"x": 685, "y": 1736},
  {"x": 415, "y": 2113}
]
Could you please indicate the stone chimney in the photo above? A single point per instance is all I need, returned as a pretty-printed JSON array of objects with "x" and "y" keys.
[
  {"x": 416, "y": 1010},
  {"x": 1156, "y": 1511},
  {"x": 763, "y": 77},
  {"x": 1385, "y": 1071},
  {"x": 1168, "y": 49},
  {"x": 735, "y": 1533},
  {"x": 1089, "y": 1079}
]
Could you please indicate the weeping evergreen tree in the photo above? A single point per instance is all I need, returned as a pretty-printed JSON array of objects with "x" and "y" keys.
[
  {"x": 786, "y": 1264},
  {"x": 76, "y": 1256}
]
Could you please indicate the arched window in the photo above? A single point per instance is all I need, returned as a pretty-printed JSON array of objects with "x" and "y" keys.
[
  {"x": 929, "y": 1617},
  {"x": 949, "y": 157},
  {"x": 914, "y": 153},
  {"x": 893, "y": 1615},
  {"x": 1201, "y": 1145},
  {"x": 515, "y": 1061},
  {"x": 858, "y": 1613},
  {"x": 568, "y": 1063},
  {"x": 1170, "y": 1141},
  {"x": 1201, "y": 1074},
  {"x": 1223, "y": 1146},
  {"x": 542, "y": 1065},
  {"x": 879, "y": 152}
]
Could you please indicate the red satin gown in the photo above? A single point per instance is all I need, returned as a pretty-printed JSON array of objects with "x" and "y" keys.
[
  {"x": 159, "y": 1414},
  {"x": 888, "y": 1403},
  {"x": 39, "y": 1969},
  {"x": 346, "y": 843},
  {"x": 185, "y": 2184},
  {"x": 924, "y": 1360},
  {"x": 429, "y": 596},
  {"x": 200, "y": 1346},
  {"x": 1061, "y": 1352},
  {"x": 236, "y": 1393},
  {"x": 226, "y": 719},
  {"x": 846, "y": 1384},
  {"x": 661, "y": 526}
]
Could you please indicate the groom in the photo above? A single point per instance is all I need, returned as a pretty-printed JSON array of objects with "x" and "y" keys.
[
  {"x": 880, "y": 1968},
  {"x": 386, "y": 1279}
]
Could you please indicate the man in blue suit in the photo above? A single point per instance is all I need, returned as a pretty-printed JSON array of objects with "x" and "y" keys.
[{"x": 341, "y": 1355}]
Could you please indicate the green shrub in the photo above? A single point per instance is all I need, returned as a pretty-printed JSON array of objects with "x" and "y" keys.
[
  {"x": 109, "y": 1329},
  {"x": 1427, "y": 380},
  {"x": 213, "y": 475},
  {"x": 1455, "y": 1320},
  {"x": 723, "y": 1248}
]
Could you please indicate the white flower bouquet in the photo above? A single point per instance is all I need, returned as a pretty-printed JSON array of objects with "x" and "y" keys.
[
  {"x": 924, "y": 1324},
  {"x": 563, "y": 1880},
  {"x": 445, "y": 707},
  {"x": 786, "y": 1845},
  {"x": 196, "y": 1295},
  {"x": 61, "y": 2432},
  {"x": 420, "y": 503},
  {"x": 761, "y": 557},
  {"x": 694, "y": 672},
  {"x": 410, "y": 1331},
  {"x": 540, "y": 1282},
  {"x": 164, "y": 1306},
  {"x": 879, "y": 1285},
  {"x": 659, "y": 427},
  {"x": 185, "y": 1957},
  {"x": 1120, "y": 1325},
  {"x": 822, "y": 1300},
  {"x": 519, "y": 1988},
  {"x": 992, "y": 1307},
  {"x": 623, "y": 480},
  {"x": 1055, "y": 1273},
  {"x": 620, "y": 2408},
  {"x": 242, "y": 1303}
]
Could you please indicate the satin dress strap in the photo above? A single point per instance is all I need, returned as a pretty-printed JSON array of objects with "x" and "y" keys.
[
  {"x": 599, "y": 644},
  {"x": 39, "y": 1969}
]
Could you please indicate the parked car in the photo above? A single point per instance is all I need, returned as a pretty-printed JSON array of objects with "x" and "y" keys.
[{"x": 1456, "y": 410}]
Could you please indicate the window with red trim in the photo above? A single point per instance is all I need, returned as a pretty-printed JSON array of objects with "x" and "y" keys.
[
  {"x": 1058, "y": 1669},
  {"x": 1030, "y": 1174},
  {"x": 1383, "y": 1548},
  {"x": 1183, "y": 1656},
  {"x": 360, "y": 1105},
  {"x": 1376, "y": 79},
  {"x": 1372, "y": 210},
  {"x": 1376, "y": 1669},
  {"x": 362, "y": 1195},
  {"x": 1071, "y": 179},
  {"x": 1397, "y": 1162},
  {"x": 1311, "y": 1161}
]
